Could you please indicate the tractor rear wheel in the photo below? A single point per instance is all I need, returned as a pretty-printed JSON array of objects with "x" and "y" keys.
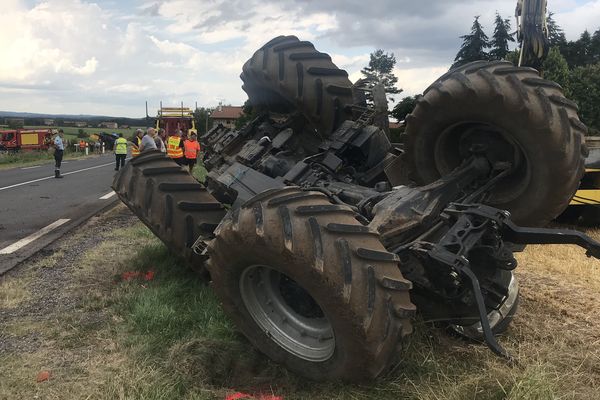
[
  {"x": 510, "y": 115},
  {"x": 288, "y": 74},
  {"x": 310, "y": 286},
  {"x": 169, "y": 201}
]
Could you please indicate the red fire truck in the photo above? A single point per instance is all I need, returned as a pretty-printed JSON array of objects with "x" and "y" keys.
[
  {"x": 172, "y": 119},
  {"x": 25, "y": 139}
]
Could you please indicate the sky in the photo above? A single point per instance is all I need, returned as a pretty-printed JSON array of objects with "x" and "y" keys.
[{"x": 109, "y": 57}]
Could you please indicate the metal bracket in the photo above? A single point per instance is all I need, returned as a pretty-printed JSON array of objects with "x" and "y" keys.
[
  {"x": 199, "y": 247},
  {"x": 461, "y": 265},
  {"x": 523, "y": 235}
]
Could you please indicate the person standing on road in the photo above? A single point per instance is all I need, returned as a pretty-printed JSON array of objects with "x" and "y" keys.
[
  {"x": 120, "y": 151},
  {"x": 192, "y": 148},
  {"x": 59, "y": 149},
  {"x": 148, "y": 142},
  {"x": 175, "y": 148}
]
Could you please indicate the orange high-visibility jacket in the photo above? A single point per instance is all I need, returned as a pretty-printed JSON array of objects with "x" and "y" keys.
[
  {"x": 191, "y": 149},
  {"x": 135, "y": 149},
  {"x": 173, "y": 147}
]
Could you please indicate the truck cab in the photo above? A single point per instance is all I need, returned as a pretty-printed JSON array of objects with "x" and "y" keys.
[{"x": 172, "y": 119}]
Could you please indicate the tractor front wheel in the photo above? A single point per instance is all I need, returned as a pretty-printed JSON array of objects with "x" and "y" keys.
[{"x": 310, "y": 286}]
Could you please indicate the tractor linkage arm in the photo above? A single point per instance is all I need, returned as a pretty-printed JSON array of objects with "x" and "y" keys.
[{"x": 470, "y": 223}]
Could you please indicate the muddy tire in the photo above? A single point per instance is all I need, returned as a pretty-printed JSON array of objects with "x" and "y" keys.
[
  {"x": 310, "y": 286},
  {"x": 169, "y": 201},
  {"x": 512, "y": 107},
  {"x": 287, "y": 74}
]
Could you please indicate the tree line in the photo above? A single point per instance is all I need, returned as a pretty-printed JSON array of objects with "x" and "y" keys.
[{"x": 575, "y": 65}]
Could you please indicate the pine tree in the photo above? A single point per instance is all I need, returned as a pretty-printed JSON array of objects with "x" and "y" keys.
[
  {"x": 583, "y": 49},
  {"x": 474, "y": 45},
  {"x": 556, "y": 69},
  {"x": 500, "y": 39},
  {"x": 556, "y": 36},
  {"x": 585, "y": 90},
  {"x": 595, "y": 47},
  {"x": 381, "y": 66}
]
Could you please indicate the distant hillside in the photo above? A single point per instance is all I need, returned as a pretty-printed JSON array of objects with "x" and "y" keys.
[{"x": 37, "y": 118}]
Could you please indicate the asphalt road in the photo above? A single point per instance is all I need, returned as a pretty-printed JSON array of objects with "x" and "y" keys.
[{"x": 36, "y": 208}]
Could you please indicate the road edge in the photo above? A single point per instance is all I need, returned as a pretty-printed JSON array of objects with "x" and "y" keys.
[{"x": 51, "y": 237}]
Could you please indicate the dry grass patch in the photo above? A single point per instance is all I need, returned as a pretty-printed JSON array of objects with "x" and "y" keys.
[
  {"x": 13, "y": 291},
  {"x": 168, "y": 339}
]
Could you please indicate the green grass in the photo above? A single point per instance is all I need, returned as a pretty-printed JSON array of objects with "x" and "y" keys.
[
  {"x": 173, "y": 307},
  {"x": 168, "y": 338},
  {"x": 30, "y": 158},
  {"x": 175, "y": 324}
]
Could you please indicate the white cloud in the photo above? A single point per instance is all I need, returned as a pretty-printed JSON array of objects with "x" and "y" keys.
[
  {"x": 574, "y": 20},
  {"x": 79, "y": 56}
]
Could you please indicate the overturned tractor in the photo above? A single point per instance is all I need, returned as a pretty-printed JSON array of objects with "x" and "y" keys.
[{"x": 323, "y": 239}]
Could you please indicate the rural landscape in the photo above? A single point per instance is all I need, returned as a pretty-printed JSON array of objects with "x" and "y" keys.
[{"x": 198, "y": 201}]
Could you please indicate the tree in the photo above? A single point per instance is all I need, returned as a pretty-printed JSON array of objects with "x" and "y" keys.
[
  {"x": 474, "y": 45},
  {"x": 201, "y": 119},
  {"x": 381, "y": 66},
  {"x": 249, "y": 113},
  {"x": 585, "y": 88},
  {"x": 500, "y": 39},
  {"x": 579, "y": 53},
  {"x": 556, "y": 36},
  {"x": 404, "y": 107},
  {"x": 513, "y": 57},
  {"x": 556, "y": 69},
  {"x": 15, "y": 123},
  {"x": 595, "y": 47}
]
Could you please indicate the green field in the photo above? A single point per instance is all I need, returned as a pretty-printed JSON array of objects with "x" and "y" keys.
[{"x": 88, "y": 313}]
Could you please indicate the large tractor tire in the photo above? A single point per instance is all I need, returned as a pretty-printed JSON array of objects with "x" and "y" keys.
[
  {"x": 169, "y": 201},
  {"x": 287, "y": 74},
  {"x": 509, "y": 114},
  {"x": 310, "y": 286}
]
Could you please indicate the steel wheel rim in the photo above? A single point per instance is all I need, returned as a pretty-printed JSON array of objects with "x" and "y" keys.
[{"x": 309, "y": 338}]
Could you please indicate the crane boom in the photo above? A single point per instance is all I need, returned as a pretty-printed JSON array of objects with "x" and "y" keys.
[{"x": 532, "y": 32}]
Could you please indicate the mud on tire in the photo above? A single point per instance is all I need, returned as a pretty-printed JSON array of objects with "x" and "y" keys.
[
  {"x": 300, "y": 237},
  {"x": 287, "y": 74},
  {"x": 530, "y": 112},
  {"x": 167, "y": 199}
]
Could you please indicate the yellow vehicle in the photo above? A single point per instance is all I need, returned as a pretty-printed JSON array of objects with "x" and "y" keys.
[{"x": 585, "y": 205}]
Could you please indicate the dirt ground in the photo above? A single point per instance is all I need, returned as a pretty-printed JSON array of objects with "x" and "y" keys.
[{"x": 75, "y": 312}]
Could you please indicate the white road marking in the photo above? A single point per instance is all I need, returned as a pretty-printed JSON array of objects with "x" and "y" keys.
[
  {"x": 25, "y": 241},
  {"x": 52, "y": 177},
  {"x": 35, "y": 166},
  {"x": 108, "y": 195}
]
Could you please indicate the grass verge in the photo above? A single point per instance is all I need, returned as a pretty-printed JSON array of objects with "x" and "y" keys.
[
  {"x": 32, "y": 158},
  {"x": 167, "y": 338}
]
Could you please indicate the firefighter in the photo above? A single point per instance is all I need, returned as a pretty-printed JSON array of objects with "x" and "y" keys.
[
  {"x": 120, "y": 151},
  {"x": 192, "y": 148},
  {"x": 59, "y": 149},
  {"x": 137, "y": 140},
  {"x": 175, "y": 148}
]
